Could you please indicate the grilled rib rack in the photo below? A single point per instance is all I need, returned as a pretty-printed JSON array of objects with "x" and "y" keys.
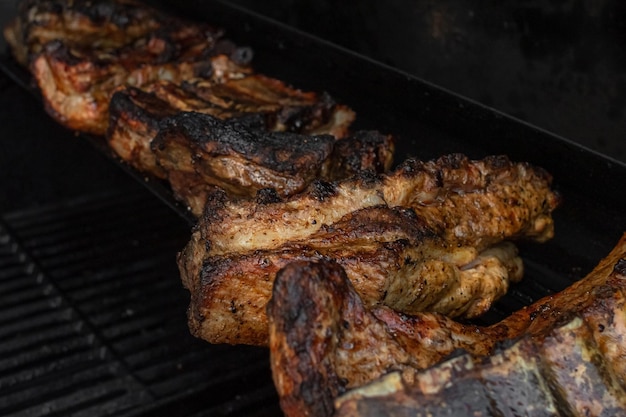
[{"x": 92, "y": 312}]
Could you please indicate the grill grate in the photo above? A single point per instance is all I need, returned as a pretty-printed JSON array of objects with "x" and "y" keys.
[{"x": 92, "y": 318}]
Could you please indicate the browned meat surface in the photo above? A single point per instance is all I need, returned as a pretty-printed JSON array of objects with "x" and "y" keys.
[
  {"x": 583, "y": 296},
  {"x": 291, "y": 109},
  {"x": 473, "y": 203},
  {"x": 329, "y": 351},
  {"x": 239, "y": 159},
  {"x": 79, "y": 52},
  {"x": 107, "y": 24},
  {"x": 77, "y": 83},
  {"x": 228, "y": 303},
  {"x": 428, "y": 236},
  {"x": 567, "y": 371},
  {"x": 135, "y": 113},
  {"x": 316, "y": 320},
  {"x": 242, "y": 159},
  {"x": 562, "y": 373}
]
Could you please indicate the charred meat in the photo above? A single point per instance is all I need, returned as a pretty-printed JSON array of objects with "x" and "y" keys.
[
  {"x": 565, "y": 372},
  {"x": 242, "y": 159},
  {"x": 427, "y": 237},
  {"x": 135, "y": 113},
  {"x": 290, "y": 109},
  {"x": 77, "y": 83},
  {"x": 473, "y": 203},
  {"x": 562, "y": 355},
  {"x": 105, "y": 24},
  {"x": 228, "y": 303},
  {"x": 79, "y": 52}
]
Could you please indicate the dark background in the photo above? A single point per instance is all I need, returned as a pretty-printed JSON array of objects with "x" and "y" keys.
[{"x": 560, "y": 64}]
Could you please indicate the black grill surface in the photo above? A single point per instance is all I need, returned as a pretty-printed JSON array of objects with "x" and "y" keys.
[{"x": 92, "y": 318}]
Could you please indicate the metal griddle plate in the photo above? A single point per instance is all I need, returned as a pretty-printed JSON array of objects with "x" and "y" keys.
[{"x": 95, "y": 324}]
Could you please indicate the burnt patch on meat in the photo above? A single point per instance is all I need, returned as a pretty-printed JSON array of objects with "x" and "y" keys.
[
  {"x": 267, "y": 196},
  {"x": 280, "y": 151},
  {"x": 322, "y": 190},
  {"x": 248, "y": 101},
  {"x": 242, "y": 159}
]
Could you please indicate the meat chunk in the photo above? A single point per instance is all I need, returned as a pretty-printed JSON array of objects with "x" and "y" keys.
[
  {"x": 77, "y": 83},
  {"x": 316, "y": 319},
  {"x": 394, "y": 234},
  {"x": 567, "y": 371},
  {"x": 563, "y": 372},
  {"x": 328, "y": 351},
  {"x": 79, "y": 52},
  {"x": 292, "y": 110},
  {"x": 104, "y": 24},
  {"x": 229, "y": 301},
  {"x": 242, "y": 159},
  {"x": 135, "y": 113},
  {"x": 472, "y": 203}
]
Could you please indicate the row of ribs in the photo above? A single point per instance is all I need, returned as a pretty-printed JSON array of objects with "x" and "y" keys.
[
  {"x": 131, "y": 73},
  {"x": 353, "y": 274},
  {"x": 428, "y": 236}
]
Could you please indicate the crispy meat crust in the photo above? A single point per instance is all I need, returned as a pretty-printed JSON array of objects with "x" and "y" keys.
[
  {"x": 77, "y": 83},
  {"x": 135, "y": 113},
  {"x": 397, "y": 251},
  {"x": 388, "y": 266},
  {"x": 472, "y": 203},
  {"x": 242, "y": 159},
  {"x": 79, "y": 52},
  {"x": 324, "y": 342},
  {"x": 292, "y": 110},
  {"x": 107, "y": 24}
]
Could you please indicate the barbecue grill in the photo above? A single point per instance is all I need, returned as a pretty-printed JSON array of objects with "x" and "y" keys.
[{"x": 92, "y": 312}]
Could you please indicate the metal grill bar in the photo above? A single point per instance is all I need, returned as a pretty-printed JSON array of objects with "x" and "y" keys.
[
  {"x": 92, "y": 318},
  {"x": 46, "y": 345}
]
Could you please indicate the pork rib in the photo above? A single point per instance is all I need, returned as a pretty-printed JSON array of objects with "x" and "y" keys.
[
  {"x": 79, "y": 52},
  {"x": 107, "y": 24},
  {"x": 573, "y": 369},
  {"x": 472, "y": 203},
  {"x": 328, "y": 351},
  {"x": 77, "y": 84},
  {"x": 564, "y": 372},
  {"x": 243, "y": 160},
  {"x": 392, "y": 234},
  {"x": 135, "y": 113}
]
